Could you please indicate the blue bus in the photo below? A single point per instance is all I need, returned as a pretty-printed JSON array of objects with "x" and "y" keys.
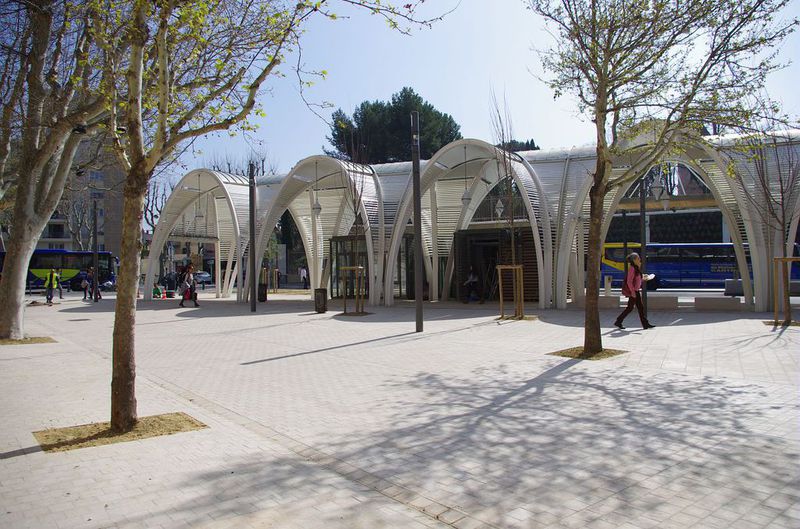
[
  {"x": 73, "y": 266},
  {"x": 680, "y": 265}
]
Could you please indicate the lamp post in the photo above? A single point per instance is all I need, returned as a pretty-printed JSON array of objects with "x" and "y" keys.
[
  {"x": 658, "y": 189},
  {"x": 251, "y": 169},
  {"x": 625, "y": 241},
  {"x": 418, "y": 269},
  {"x": 95, "y": 286}
]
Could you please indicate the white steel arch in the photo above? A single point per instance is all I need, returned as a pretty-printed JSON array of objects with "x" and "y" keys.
[
  {"x": 614, "y": 197},
  {"x": 335, "y": 184},
  {"x": 442, "y": 186},
  {"x": 221, "y": 200},
  {"x": 211, "y": 206}
]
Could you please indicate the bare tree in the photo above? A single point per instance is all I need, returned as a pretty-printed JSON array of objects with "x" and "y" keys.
[
  {"x": 770, "y": 182},
  {"x": 76, "y": 206},
  {"x": 157, "y": 193},
  {"x": 52, "y": 96},
  {"x": 187, "y": 72},
  {"x": 649, "y": 74},
  {"x": 503, "y": 135},
  {"x": 354, "y": 198}
]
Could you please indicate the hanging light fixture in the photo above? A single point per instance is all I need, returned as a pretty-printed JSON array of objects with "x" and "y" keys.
[
  {"x": 317, "y": 207},
  {"x": 465, "y": 198}
]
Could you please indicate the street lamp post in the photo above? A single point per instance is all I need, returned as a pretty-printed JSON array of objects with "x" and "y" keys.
[
  {"x": 418, "y": 269},
  {"x": 252, "y": 275},
  {"x": 647, "y": 186},
  {"x": 625, "y": 240},
  {"x": 95, "y": 258}
]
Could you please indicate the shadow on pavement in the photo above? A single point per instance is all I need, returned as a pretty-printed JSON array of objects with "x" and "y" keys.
[{"x": 554, "y": 443}]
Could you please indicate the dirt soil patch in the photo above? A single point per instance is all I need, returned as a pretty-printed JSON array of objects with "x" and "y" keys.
[
  {"x": 577, "y": 352},
  {"x": 99, "y": 433},
  {"x": 29, "y": 340},
  {"x": 772, "y": 323}
]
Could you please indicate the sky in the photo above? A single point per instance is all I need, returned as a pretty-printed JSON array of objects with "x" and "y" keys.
[{"x": 483, "y": 46}]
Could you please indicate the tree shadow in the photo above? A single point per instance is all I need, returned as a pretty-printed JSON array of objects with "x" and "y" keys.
[
  {"x": 634, "y": 448},
  {"x": 679, "y": 318}
]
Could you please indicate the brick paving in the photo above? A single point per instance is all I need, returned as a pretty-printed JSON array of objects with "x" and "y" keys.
[{"x": 320, "y": 420}]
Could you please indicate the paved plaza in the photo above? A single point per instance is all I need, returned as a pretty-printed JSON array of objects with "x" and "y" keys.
[{"x": 338, "y": 422}]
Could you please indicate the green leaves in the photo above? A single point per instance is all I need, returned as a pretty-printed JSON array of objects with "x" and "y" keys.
[{"x": 378, "y": 131}]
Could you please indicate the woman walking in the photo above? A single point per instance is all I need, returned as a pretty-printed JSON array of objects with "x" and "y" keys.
[
  {"x": 189, "y": 286},
  {"x": 631, "y": 288}
]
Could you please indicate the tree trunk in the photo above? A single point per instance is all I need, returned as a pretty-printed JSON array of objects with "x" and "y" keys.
[
  {"x": 592, "y": 340},
  {"x": 20, "y": 246},
  {"x": 787, "y": 288},
  {"x": 123, "y": 380}
]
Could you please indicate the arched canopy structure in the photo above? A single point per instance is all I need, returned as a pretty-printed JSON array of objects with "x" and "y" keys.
[
  {"x": 453, "y": 184},
  {"x": 327, "y": 197},
  {"x": 567, "y": 177},
  {"x": 210, "y": 207}
]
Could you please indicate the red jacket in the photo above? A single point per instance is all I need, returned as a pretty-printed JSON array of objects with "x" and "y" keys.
[{"x": 633, "y": 282}]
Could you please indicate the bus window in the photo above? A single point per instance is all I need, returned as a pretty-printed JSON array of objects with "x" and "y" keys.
[
  {"x": 72, "y": 261},
  {"x": 690, "y": 254},
  {"x": 616, "y": 255},
  {"x": 45, "y": 261},
  {"x": 662, "y": 253}
]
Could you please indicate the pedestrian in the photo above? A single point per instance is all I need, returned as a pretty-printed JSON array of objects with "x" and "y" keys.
[
  {"x": 92, "y": 286},
  {"x": 50, "y": 284},
  {"x": 471, "y": 285},
  {"x": 304, "y": 276},
  {"x": 85, "y": 282},
  {"x": 58, "y": 284},
  {"x": 189, "y": 287},
  {"x": 632, "y": 289}
]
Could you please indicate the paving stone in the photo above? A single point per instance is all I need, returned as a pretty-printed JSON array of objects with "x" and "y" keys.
[{"x": 316, "y": 421}]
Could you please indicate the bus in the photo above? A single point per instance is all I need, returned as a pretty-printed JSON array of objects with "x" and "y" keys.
[
  {"x": 73, "y": 265},
  {"x": 679, "y": 265}
]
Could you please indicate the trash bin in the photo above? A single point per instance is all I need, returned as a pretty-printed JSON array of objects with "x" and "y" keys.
[
  {"x": 262, "y": 292},
  {"x": 321, "y": 300}
]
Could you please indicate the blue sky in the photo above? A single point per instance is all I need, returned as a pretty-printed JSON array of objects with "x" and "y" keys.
[{"x": 483, "y": 45}]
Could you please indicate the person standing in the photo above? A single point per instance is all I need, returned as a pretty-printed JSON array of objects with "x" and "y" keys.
[
  {"x": 94, "y": 284},
  {"x": 304, "y": 276},
  {"x": 50, "y": 284},
  {"x": 86, "y": 283},
  {"x": 58, "y": 284},
  {"x": 631, "y": 288},
  {"x": 471, "y": 285}
]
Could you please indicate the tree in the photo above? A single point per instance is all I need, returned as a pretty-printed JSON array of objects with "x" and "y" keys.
[
  {"x": 517, "y": 146},
  {"x": 765, "y": 164},
  {"x": 649, "y": 73},
  {"x": 157, "y": 193},
  {"x": 52, "y": 95},
  {"x": 190, "y": 69},
  {"x": 378, "y": 131}
]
